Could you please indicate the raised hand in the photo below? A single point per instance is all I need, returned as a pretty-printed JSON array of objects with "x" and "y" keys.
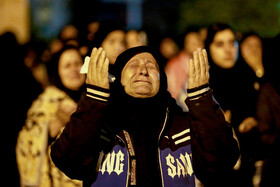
[
  {"x": 199, "y": 69},
  {"x": 98, "y": 69}
]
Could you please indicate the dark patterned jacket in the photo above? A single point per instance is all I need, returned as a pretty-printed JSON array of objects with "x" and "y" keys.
[{"x": 198, "y": 144}]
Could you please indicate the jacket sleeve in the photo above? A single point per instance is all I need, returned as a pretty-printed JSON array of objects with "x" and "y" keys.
[
  {"x": 77, "y": 149},
  {"x": 214, "y": 149}
]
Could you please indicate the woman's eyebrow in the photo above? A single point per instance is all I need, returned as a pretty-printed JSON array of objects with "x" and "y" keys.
[
  {"x": 133, "y": 61},
  {"x": 151, "y": 61}
]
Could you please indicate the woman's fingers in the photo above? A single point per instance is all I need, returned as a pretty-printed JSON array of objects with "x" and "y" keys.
[
  {"x": 91, "y": 68},
  {"x": 98, "y": 68},
  {"x": 201, "y": 62},
  {"x": 202, "y": 65},
  {"x": 96, "y": 57},
  {"x": 207, "y": 67},
  {"x": 99, "y": 64},
  {"x": 192, "y": 68},
  {"x": 105, "y": 72},
  {"x": 196, "y": 74},
  {"x": 199, "y": 69},
  {"x": 191, "y": 74}
]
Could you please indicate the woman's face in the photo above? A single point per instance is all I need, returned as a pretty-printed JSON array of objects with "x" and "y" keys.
[
  {"x": 192, "y": 41},
  {"x": 224, "y": 49},
  {"x": 140, "y": 76},
  {"x": 69, "y": 65},
  {"x": 114, "y": 45},
  {"x": 251, "y": 49}
]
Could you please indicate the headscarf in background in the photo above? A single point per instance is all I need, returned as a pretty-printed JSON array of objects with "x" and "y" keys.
[{"x": 55, "y": 79}]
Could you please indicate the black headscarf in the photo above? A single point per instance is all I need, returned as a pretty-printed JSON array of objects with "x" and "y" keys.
[
  {"x": 230, "y": 86},
  {"x": 127, "y": 109},
  {"x": 54, "y": 78},
  {"x": 141, "y": 117},
  {"x": 223, "y": 81},
  {"x": 272, "y": 64}
]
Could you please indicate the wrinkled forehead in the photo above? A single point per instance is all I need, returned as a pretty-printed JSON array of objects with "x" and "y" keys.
[{"x": 144, "y": 57}]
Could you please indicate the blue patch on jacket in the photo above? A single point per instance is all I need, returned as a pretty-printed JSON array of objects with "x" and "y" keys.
[
  {"x": 113, "y": 171},
  {"x": 177, "y": 167}
]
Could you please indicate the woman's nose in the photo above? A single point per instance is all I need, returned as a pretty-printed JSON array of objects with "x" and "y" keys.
[{"x": 143, "y": 70}]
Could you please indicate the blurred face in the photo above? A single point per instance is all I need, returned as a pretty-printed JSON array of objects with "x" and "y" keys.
[
  {"x": 92, "y": 29},
  {"x": 140, "y": 76},
  {"x": 69, "y": 65},
  {"x": 114, "y": 44},
  {"x": 69, "y": 32},
  {"x": 168, "y": 48},
  {"x": 251, "y": 49},
  {"x": 132, "y": 39},
  {"x": 192, "y": 42},
  {"x": 224, "y": 49}
]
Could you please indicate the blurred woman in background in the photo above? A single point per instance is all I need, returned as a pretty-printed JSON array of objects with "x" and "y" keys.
[
  {"x": 111, "y": 37},
  {"x": 268, "y": 110},
  {"x": 46, "y": 119},
  {"x": 233, "y": 92}
]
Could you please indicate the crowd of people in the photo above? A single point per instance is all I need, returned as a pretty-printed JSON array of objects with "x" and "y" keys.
[{"x": 45, "y": 85}]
